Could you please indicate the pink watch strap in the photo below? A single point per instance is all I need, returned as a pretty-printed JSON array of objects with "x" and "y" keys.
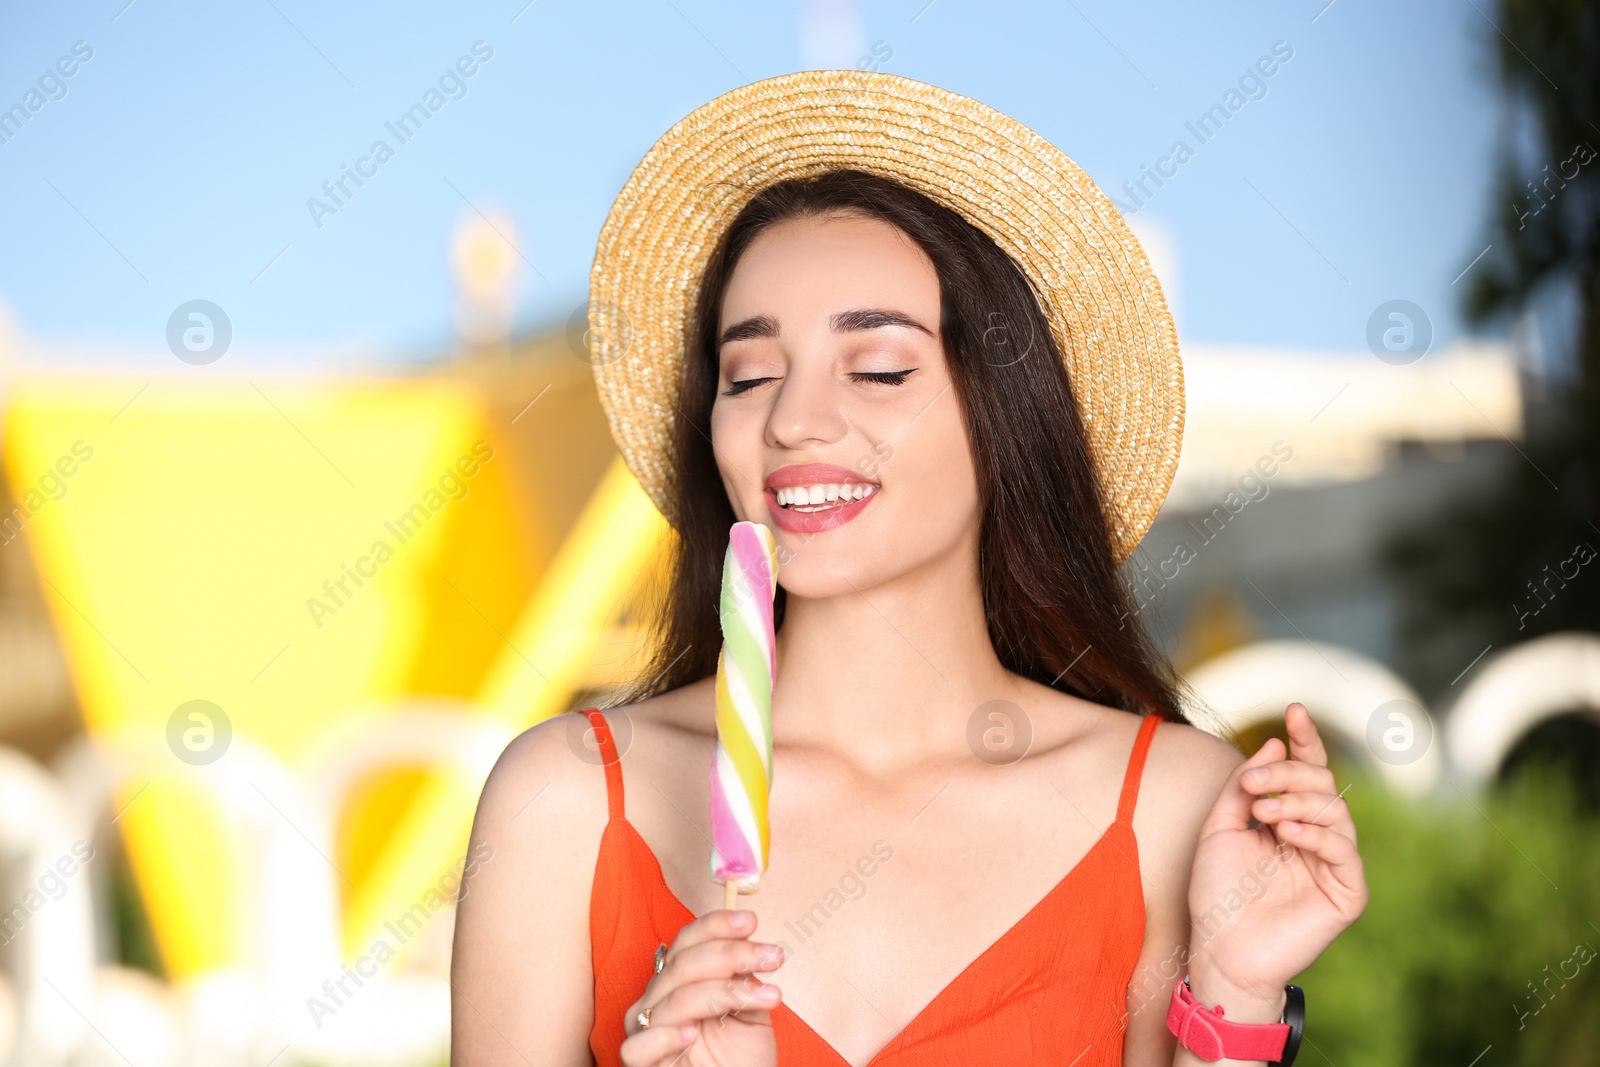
[{"x": 1208, "y": 1035}]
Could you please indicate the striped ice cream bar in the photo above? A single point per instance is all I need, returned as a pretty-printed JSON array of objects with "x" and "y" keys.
[{"x": 741, "y": 770}]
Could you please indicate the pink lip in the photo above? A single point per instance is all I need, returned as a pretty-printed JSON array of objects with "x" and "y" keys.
[{"x": 814, "y": 474}]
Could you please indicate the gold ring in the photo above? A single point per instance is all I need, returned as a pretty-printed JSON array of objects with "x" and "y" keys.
[
  {"x": 643, "y": 1019},
  {"x": 661, "y": 958}
]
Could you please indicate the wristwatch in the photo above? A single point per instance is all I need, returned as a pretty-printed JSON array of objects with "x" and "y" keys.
[{"x": 1204, "y": 1032}]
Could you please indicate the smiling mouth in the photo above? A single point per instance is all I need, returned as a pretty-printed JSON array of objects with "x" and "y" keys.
[{"x": 811, "y": 499}]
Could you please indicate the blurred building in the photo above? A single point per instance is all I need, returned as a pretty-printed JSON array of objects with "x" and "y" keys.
[{"x": 1295, "y": 467}]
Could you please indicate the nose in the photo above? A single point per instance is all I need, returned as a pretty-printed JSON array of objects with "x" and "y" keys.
[{"x": 807, "y": 409}]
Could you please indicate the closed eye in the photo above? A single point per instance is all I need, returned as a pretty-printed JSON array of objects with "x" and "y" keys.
[
  {"x": 744, "y": 386},
  {"x": 882, "y": 377}
]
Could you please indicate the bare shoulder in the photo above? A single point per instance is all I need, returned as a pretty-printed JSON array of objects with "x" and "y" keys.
[
  {"x": 1184, "y": 772},
  {"x": 522, "y": 931},
  {"x": 1181, "y": 757},
  {"x": 1185, "y": 761},
  {"x": 548, "y": 787},
  {"x": 522, "y": 923},
  {"x": 555, "y": 768}
]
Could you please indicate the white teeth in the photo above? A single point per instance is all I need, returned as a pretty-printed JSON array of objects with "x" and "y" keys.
[{"x": 818, "y": 497}]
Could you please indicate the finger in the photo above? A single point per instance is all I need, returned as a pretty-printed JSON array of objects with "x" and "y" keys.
[
  {"x": 1232, "y": 808},
  {"x": 1335, "y": 850},
  {"x": 722, "y": 958},
  {"x": 1288, "y": 776},
  {"x": 650, "y": 1047},
  {"x": 710, "y": 999},
  {"x": 1317, "y": 809},
  {"x": 1305, "y": 743},
  {"x": 721, "y": 923}
]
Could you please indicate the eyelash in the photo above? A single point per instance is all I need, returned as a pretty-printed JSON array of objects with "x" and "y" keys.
[
  {"x": 879, "y": 377},
  {"x": 883, "y": 377}
]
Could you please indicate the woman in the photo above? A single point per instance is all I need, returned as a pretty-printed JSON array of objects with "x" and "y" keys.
[{"x": 995, "y": 837}]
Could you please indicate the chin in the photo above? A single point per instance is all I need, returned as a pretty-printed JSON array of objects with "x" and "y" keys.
[
  {"x": 815, "y": 578},
  {"x": 879, "y": 545}
]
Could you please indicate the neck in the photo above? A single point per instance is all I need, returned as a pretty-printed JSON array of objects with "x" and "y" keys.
[{"x": 903, "y": 663}]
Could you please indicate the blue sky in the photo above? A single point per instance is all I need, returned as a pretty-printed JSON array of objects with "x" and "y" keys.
[{"x": 179, "y": 162}]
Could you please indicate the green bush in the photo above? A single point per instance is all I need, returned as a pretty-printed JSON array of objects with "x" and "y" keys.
[{"x": 1482, "y": 933}]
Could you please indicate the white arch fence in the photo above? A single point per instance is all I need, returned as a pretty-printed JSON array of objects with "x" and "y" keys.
[
  {"x": 62, "y": 1004},
  {"x": 1380, "y": 719}
]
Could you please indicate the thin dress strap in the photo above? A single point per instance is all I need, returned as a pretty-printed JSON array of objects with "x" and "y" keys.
[
  {"x": 608, "y": 757},
  {"x": 1130, "y": 784}
]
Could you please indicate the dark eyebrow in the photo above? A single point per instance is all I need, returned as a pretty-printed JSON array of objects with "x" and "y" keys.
[
  {"x": 760, "y": 326},
  {"x": 872, "y": 319},
  {"x": 844, "y": 322}
]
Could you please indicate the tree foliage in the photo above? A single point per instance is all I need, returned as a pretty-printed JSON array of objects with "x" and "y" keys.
[
  {"x": 1483, "y": 930},
  {"x": 1467, "y": 574}
]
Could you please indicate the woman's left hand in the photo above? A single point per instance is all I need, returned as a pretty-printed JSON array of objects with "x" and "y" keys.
[{"x": 1264, "y": 902}]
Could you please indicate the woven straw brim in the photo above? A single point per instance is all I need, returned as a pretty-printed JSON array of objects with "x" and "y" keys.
[{"x": 1088, "y": 272}]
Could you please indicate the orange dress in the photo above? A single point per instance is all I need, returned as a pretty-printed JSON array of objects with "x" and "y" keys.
[{"x": 1052, "y": 990}]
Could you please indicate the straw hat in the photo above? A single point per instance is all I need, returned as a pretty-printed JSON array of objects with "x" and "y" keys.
[{"x": 1092, "y": 279}]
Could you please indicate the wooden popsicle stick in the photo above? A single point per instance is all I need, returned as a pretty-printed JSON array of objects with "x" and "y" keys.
[{"x": 731, "y": 889}]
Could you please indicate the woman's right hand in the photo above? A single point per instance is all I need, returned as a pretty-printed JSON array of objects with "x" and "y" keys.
[{"x": 707, "y": 1008}]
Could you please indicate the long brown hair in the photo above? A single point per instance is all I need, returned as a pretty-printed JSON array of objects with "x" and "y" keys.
[{"x": 1056, "y": 611}]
